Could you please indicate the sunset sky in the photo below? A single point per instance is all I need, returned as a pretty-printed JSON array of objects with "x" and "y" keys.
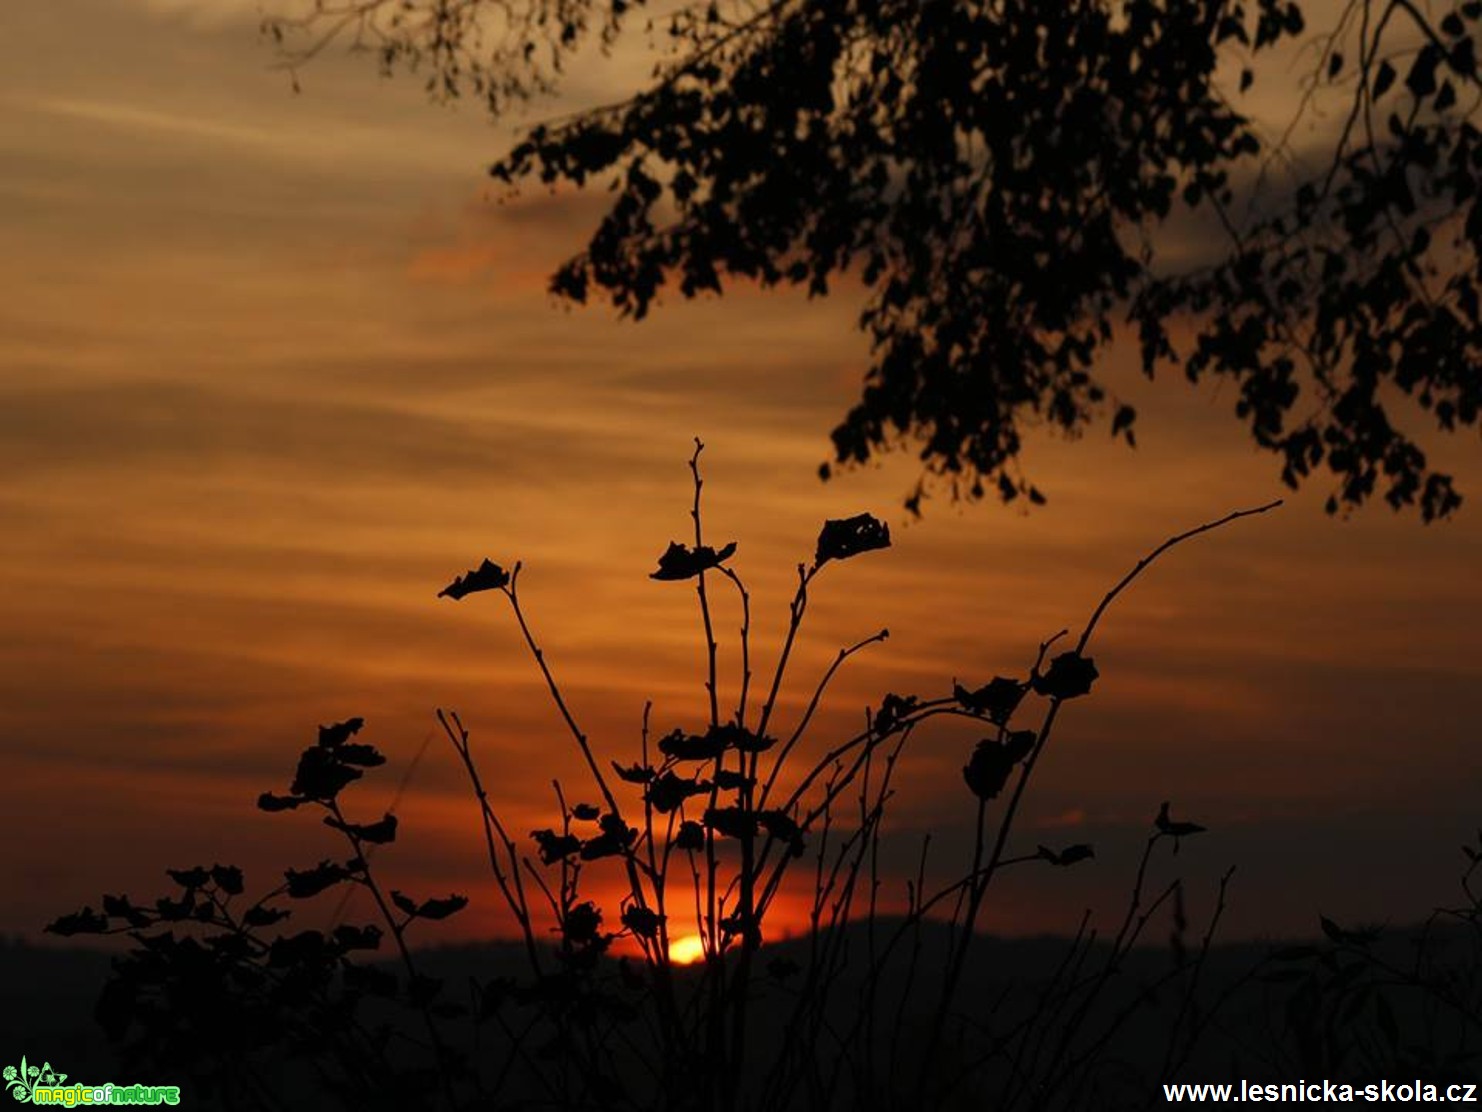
[{"x": 275, "y": 367}]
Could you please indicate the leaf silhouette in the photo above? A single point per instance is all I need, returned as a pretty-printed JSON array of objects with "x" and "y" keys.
[
  {"x": 349, "y": 937},
  {"x": 642, "y": 921},
  {"x": 267, "y": 801},
  {"x": 996, "y": 700},
  {"x": 843, "y": 538},
  {"x": 615, "y": 838},
  {"x": 690, "y": 836},
  {"x": 733, "y": 822},
  {"x": 1167, "y": 826},
  {"x": 667, "y": 792},
  {"x": 732, "y": 736},
  {"x": 893, "y": 708},
  {"x": 189, "y": 879},
  {"x": 228, "y": 878},
  {"x": 436, "y": 909},
  {"x": 310, "y": 882},
  {"x": 1018, "y": 744},
  {"x": 987, "y": 771},
  {"x": 1068, "y": 856},
  {"x": 681, "y": 746},
  {"x": 264, "y": 916},
  {"x": 553, "y": 846},
  {"x": 582, "y": 923},
  {"x": 1070, "y": 676},
  {"x": 86, "y": 921},
  {"x": 784, "y": 828},
  {"x": 340, "y": 732},
  {"x": 680, "y": 562},
  {"x": 321, "y": 775},
  {"x": 1384, "y": 77},
  {"x": 119, "y": 907},
  {"x": 380, "y": 832},
  {"x": 365, "y": 756},
  {"x": 633, "y": 774},
  {"x": 488, "y": 576}
]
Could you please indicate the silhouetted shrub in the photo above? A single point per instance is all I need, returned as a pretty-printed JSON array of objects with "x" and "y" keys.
[{"x": 705, "y": 827}]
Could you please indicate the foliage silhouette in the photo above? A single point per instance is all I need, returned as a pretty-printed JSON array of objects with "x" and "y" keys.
[
  {"x": 704, "y": 830},
  {"x": 1007, "y": 181},
  {"x": 1374, "y": 1008}
]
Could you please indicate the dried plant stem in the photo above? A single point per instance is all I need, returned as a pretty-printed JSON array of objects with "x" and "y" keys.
[
  {"x": 1027, "y": 769},
  {"x": 398, "y": 933},
  {"x": 511, "y": 888},
  {"x": 710, "y": 644}
]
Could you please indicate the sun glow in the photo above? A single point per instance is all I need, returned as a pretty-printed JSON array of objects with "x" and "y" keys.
[{"x": 687, "y": 950}]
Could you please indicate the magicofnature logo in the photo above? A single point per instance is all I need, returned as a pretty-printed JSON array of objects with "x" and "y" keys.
[{"x": 43, "y": 1085}]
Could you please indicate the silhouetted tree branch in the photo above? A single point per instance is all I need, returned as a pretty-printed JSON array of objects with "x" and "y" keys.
[{"x": 1001, "y": 177}]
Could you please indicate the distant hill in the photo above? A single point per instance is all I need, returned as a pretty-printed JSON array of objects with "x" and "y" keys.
[{"x": 48, "y": 994}]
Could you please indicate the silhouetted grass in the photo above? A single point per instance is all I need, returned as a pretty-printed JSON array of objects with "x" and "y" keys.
[{"x": 706, "y": 825}]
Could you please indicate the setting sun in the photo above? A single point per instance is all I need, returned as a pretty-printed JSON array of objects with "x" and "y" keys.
[{"x": 687, "y": 950}]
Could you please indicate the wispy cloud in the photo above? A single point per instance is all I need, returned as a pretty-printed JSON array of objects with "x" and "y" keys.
[
  {"x": 219, "y": 14},
  {"x": 134, "y": 118}
]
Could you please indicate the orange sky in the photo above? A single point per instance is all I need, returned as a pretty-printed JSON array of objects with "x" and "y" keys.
[{"x": 274, "y": 368}]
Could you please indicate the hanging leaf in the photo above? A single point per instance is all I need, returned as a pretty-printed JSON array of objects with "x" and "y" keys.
[
  {"x": 996, "y": 700},
  {"x": 843, "y": 538},
  {"x": 553, "y": 846},
  {"x": 321, "y": 776},
  {"x": 436, "y": 909},
  {"x": 733, "y": 822},
  {"x": 582, "y": 924},
  {"x": 679, "y": 562},
  {"x": 732, "y": 736},
  {"x": 1018, "y": 744},
  {"x": 1384, "y": 77},
  {"x": 690, "y": 836},
  {"x": 668, "y": 792},
  {"x": 642, "y": 921},
  {"x": 488, "y": 576},
  {"x": 1070, "y": 676},
  {"x": 681, "y": 746},
  {"x": 988, "y": 770},
  {"x": 893, "y": 709},
  {"x": 228, "y": 878},
  {"x": 615, "y": 838}
]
